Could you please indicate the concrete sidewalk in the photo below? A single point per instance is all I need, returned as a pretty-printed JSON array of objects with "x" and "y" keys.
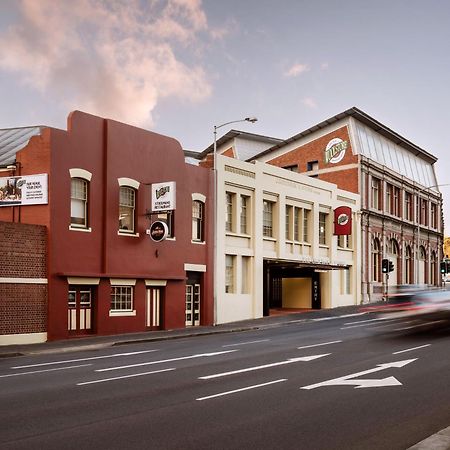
[{"x": 94, "y": 342}]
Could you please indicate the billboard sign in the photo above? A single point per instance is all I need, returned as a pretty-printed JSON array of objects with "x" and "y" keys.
[
  {"x": 163, "y": 196},
  {"x": 342, "y": 221},
  {"x": 23, "y": 191}
]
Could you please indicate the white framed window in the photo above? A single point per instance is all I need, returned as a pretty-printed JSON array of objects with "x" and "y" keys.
[
  {"x": 267, "y": 218},
  {"x": 229, "y": 273},
  {"x": 79, "y": 203},
  {"x": 245, "y": 204},
  {"x": 323, "y": 229},
  {"x": 306, "y": 224},
  {"x": 246, "y": 275},
  {"x": 121, "y": 298},
  {"x": 344, "y": 241},
  {"x": 289, "y": 211},
  {"x": 169, "y": 219},
  {"x": 197, "y": 221},
  {"x": 408, "y": 206},
  {"x": 127, "y": 202},
  {"x": 375, "y": 193},
  {"x": 229, "y": 219}
]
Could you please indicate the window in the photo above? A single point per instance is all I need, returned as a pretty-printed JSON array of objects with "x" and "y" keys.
[
  {"x": 197, "y": 221},
  {"x": 289, "y": 210},
  {"x": 267, "y": 218},
  {"x": 127, "y": 199},
  {"x": 297, "y": 222},
  {"x": 408, "y": 265},
  {"x": 423, "y": 212},
  {"x": 121, "y": 298},
  {"x": 169, "y": 219},
  {"x": 323, "y": 229},
  {"x": 396, "y": 201},
  {"x": 433, "y": 268},
  {"x": 312, "y": 165},
  {"x": 79, "y": 203},
  {"x": 408, "y": 206},
  {"x": 229, "y": 273},
  {"x": 433, "y": 215},
  {"x": 375, "y": 193},
  {"x": 246, "y": 276},
  {"x": 376, "y": 257},
  {"x": 306, "y": 214},
  {"x": 229, "y": 211},
  {"x": 293, "y": 168},
  {"x": 245, "y": 201},
  {"x": 344, "y": 241},
  {"x": 389, "y": 194}
]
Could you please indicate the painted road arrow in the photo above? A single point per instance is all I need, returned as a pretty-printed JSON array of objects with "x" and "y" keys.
[
  {"x": 351, "y": 380},
  {"x": 265, "y": 366}
]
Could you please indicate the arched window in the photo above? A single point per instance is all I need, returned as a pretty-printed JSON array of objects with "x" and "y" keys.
[
  {"x": 79, "y": 203},
  {"x": 408, "y": 265},
  {"x": 376, "y": 257},
  {"x": 127, "y": 209},
  {"x": 422, "y": 253}
]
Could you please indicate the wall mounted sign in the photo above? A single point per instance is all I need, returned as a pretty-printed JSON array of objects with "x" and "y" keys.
[
  {"x": 163, "y": 196},
  {"x": 158, "y": 231},
  {"x": 26, "y": 190},
  {"x": 342, "y": 221},
  {"x": 335, "y": 150}
]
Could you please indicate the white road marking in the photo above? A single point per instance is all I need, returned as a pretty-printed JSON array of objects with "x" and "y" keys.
[
  {"x": 149, "y": 363},
  {"x": 419, "y": 325},
  {"x": 42, "y": 371},
  {"x": 265, "y": 366},
  {"x": 374, "y": 322},
  {"x": 242, "y": 389},
  {"x": 365, "y": 383},
  {"x": 246, "y": 343},
  {"x": 318, "y": 345},
  {"x": 125, "y": 376},
  {"x": 337, "y": 317},
  {"x": 83, "y": 359},
  {"x": 411, "y": 349},
  {"x": 363, "y": 321}
]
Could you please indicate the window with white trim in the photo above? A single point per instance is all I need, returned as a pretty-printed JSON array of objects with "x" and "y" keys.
[
  {"x": 245, "y": 202},
  {"x": 229, "y": 273},
  {"x": 268, "y": 218},
  {"x": 169, "y": 219},
  {"x": 127, "y": 202},
  {"x": 197, "y": 221},
  {"x": 323, "y": 231},
  {"x": 229, "y": 219},
  {"x": 79, "y": 203},
  {"x": 121, "y": 298}
]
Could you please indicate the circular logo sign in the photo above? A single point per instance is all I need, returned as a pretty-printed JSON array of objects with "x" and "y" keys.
[
  {"x": 335, "y": 150},
  {"x": 342, "y": 219},
  {"x": 158, "y": 231}
]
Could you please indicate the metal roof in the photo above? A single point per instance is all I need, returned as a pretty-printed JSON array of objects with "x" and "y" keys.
[
  {"x": 365, "y": 119},
  {"x": 14, "y": 139}
]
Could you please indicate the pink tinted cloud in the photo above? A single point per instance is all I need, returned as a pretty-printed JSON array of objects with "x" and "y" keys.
[
  {"x": 296, "y": 70},
  {"x": 113, "y": 58}
]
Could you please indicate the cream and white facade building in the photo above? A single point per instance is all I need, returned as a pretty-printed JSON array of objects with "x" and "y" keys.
[{"x": 275, "y": 246}]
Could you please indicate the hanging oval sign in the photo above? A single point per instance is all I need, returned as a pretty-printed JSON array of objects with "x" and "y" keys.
[{"x": 158, "y": 231}]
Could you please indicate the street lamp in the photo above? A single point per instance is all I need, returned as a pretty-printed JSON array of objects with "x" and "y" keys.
[
  {"x": 216, "y": 127},
  {"x": 419, "y": 217}
]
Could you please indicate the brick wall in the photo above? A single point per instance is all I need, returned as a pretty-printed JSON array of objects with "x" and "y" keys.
[{"x": 23, "y": 306}]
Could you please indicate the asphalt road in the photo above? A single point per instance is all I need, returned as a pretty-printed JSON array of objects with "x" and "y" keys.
[{"x": 328, "y": 384}]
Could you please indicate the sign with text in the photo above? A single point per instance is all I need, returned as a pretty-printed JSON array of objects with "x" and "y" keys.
[
  {"x": 342, "y": 221},
  {"x": 335, "y": 150},
  {"x": 23, "y": 191},
  {"x": 163, "y": 196}
]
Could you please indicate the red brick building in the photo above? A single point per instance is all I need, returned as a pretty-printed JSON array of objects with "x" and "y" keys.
[{"x": 103, "y": 184}]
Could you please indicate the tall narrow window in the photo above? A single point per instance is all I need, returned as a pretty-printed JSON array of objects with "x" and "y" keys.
[
  {"x": 433, "y": 210},
  {"x": 127, "y": 200},
  {"x": 169, "y": 219},
  {"x": 375, "y": 193},
  {"x": 246, "y": 275},
  {"x": 306, "y": 214},
  {"x": 423, "y": 212},
  {"x": 289, "y": 210},
  {"x": 79, "y": 203},
  {"x": 229, "y": 211},
  {"x": 297, "y": 223},
  {"x": 389, "y": 198},
  {"x": 408, "y": 265},
  {"x": 396, "y": 201},
  {"x": 229, "y": 273},
  {"x": 197, "y": 221},
  {"x": 245, "y": 201},
  {"x": 408, "y": 206},
  {"x": 267, "y": 218},
  {"x": 376, "y": 257},
  {"x": 322, "y": 228}
]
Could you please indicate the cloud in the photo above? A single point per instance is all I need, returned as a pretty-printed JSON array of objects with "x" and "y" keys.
[
  {"x": 309, "y": 102},
  {"x": 324, "y": 66},
  {"x": 296, "y": 69},
  {"x": 114, "y": 58}
]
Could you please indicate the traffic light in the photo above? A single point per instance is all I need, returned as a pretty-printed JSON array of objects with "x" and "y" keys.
[
  {"x": 443, "y": 267},
  {"x": 391, "y": 266},
  {"x": 385, "y": 265}
]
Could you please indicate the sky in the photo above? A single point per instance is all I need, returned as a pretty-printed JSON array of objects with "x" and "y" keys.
[{"x": 179, "y": 67}]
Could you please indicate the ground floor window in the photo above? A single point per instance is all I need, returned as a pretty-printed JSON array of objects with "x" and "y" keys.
[
  {"x": 229, "y": 273},
  {"x": 121, "y": 298}
]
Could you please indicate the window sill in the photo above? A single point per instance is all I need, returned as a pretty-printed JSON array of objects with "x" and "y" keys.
[
  {"x": 242, "y": 235},
  {"x": 170, "y": 239},
  {"x": 123, "y": 233},
  {"x": 268, "y": 238},
  {"x": 198, "y": 242},
  {"x": 121, "y": 313},
  {"x": 84, "y": 230}
]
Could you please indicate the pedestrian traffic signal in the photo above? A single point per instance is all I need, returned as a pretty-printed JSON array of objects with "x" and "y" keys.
[
  {"x": 443, "y": 267},
  {"x": 391, "y": 266},
  {"x": 385, "y": 265}
]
